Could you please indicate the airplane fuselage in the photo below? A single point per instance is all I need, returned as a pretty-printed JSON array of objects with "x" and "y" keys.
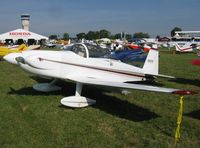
[{"x": 64, "y": 64}]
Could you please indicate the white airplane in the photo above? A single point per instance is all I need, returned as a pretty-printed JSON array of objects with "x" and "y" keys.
[
  {"x": 50, "y": 45},
  {"x": 186, "y": 47},
  {"x": 88, "y": 66}
]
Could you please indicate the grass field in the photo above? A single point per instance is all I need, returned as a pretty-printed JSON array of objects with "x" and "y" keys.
[{"x": 139, "y": 119}]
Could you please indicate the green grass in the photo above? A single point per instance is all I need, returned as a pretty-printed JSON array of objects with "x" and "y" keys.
[{"x": 140, "y": 119}]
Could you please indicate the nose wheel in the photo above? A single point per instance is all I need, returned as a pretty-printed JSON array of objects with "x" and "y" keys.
[{"x": 47, "y": 87}]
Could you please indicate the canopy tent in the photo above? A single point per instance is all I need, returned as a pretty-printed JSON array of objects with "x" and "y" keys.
[{"x": 21, "y": 34}]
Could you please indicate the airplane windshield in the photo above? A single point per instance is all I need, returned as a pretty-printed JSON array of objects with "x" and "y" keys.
[
  {"x": 78, "y": 49},
  {"x": 89, "y": 50},
  {"x": 96, "y": 51}
]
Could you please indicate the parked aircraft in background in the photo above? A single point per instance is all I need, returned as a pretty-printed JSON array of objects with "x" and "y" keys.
[
  {"x": 186, "y": 47},
  {"x": 16, "y": 48},
  {"x": 6, "y": 50},
  {"x": 185, "y": 41},
  {"x": 88, "y": 66},
  {"x": 142, "y": 46},
  {"x": 50, "y": 45},
  {"x": 129, "y": 55}
]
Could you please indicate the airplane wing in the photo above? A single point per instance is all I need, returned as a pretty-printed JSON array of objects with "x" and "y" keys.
[{"x": 94, "y": 81}]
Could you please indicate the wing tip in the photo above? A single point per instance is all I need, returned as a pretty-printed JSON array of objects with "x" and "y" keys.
[{"x": 184, "y": 92}]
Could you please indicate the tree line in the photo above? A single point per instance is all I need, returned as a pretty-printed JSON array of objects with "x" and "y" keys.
[{"x": 93, "y": 35}]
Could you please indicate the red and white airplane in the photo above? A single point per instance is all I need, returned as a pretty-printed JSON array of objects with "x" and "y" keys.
[
  {"x": 143, "y": 46},
  {"x": 187, "y": 47},
  {"x": 88, "y": 66}
]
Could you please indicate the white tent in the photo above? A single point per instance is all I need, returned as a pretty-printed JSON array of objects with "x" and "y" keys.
[{"x": 21, "y": 34}]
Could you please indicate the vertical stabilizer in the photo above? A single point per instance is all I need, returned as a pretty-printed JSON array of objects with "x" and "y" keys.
[{"x": 151, "y": 63}]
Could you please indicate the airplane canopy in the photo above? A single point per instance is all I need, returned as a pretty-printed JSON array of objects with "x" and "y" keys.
[{"x": 21, "y": 34}]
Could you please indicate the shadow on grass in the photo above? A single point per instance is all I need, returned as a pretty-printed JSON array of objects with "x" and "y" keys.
[
  {"x": 194, "y": 114},
  {"x": 195, "y": 82},
  {"x": 67, "y": 89},
  {"x": 29, "y": 91},
  {"x": 109, "y": 104},
  {"x": 117, "y": 107}
]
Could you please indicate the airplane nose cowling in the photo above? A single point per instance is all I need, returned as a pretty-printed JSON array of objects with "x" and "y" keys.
[{"x": 11, "y": 58}]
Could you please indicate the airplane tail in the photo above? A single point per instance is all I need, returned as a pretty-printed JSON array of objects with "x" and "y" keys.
[
  {"x": 151, "y": 63},
  {"x": 22, "y": 47}
]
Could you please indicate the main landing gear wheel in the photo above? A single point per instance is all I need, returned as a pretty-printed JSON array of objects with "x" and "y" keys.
[
  {"x": 77, "y": 101},
  {"x": 47, "y": 87}
]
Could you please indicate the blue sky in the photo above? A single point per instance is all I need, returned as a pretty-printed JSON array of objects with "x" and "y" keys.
[{"x": 156, "y": 17}]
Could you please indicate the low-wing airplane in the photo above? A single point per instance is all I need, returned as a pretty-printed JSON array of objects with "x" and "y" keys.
[
  {"x": 6, "y": 50},
  {"x": 88, "y": 66},
  {"x": 186, "y": 47}
]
